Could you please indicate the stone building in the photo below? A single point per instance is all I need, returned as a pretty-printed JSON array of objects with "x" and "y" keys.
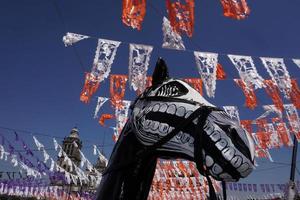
[{"x": 71, "y": 146}]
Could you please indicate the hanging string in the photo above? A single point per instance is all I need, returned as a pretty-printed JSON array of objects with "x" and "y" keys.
[{"x": 42, "y": 134}]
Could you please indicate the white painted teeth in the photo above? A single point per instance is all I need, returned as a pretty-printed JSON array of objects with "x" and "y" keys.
[
  {"x": 217, "y": 169},
  {"x": 180, "y": 111},
  {"x": 188, "y": 114},
  {"x": 171, "y": 109},
  {"x": 147, "y": 123},
  {"x": 228, "y": 153},
  {"x": 209, "y": 161},
  {"x": 154, "y": 125},
  {"x": 163, "y": 128},
  {"x": 155, "y": 108},
  {"x": 163, "y": 107}
]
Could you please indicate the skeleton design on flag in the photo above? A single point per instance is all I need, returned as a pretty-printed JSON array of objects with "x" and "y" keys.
[
  {"x": 72, "y": 38},
  {"x": 236, "y": 9},
  {"x": 139, "y": 56},
  {"x": 207, "y": 67},
  {"x": 100, "y": 102},
  {"x": 279, "y": 74},
  {"x": 155, "y": 114},
  {"x": 171, "y": 40},
  {"x": 293, "y": 117},
  {"x": 133, "y": 13},
  {"x": 297, "y": 62},
  {"x": 104, "y": 57},
  {"x": 181, "y": 15}
]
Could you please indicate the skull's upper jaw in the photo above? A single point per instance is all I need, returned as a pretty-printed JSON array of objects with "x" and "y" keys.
[{"x": 175, "y": 88}]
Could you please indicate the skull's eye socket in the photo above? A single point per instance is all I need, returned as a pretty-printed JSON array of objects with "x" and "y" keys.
[{"x": 172, "y": 89}]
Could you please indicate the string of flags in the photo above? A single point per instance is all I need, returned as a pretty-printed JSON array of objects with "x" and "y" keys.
[
  {"x": 180, "y": 13},
  {"x": 31, "y": 166},
  {"x": 39, "y": 190},
  {"x": 208, "y": 67}
]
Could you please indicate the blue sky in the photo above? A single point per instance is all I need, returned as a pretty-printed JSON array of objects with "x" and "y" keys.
[{"x": 40, "y": 79}]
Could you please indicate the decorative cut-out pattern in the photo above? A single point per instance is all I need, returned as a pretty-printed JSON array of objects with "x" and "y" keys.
[
  {"x": 104, "y": 57},
  {"x": 100, "y": 102},
  {"x": 181, "y": 16},
  {"x": 293, "y": 118},
  {"x": 171, "y": 40},
  {"x": 133, "y": 13},
  {"x": 139, "y": 56},
  {"x": 72, "y": 38},
  {"x": 279, "y": 74},
  {"x": 247, "y": 71},
  {"x": 207, "y": 68},
  {"x": 236, "y": 9},
  {"x": 117, "y": 89}
]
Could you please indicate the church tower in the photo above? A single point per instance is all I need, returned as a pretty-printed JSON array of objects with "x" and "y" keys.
[{"x": 71, "y": 146}]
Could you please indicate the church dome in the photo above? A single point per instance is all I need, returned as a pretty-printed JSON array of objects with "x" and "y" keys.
[{"x": 74, "y": 133}]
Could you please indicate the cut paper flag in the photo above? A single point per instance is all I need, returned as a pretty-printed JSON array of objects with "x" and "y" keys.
[
  {"x": 117, "y": 89},
  {"x": 100, "y": 102},
  {"x": 105, "y": 117},
  {"x": 251, "y": 100},
  {"x": 279, "y": 74},
  {"x": 274, "y": 140},
  {"x": 133, "y": 13},
  {"x": 297, "y": 62},
  {"x": 121, "y": 114},
  {"x": 38, "y": 144},
  {"x": 273, "y": 91},
  {"x": 233, "y": 112},
  {"x": 207, "y": 68},
  {"x": 250, "y": 79},
  {"x": 196, "y": 83},
  {"x": 270, "y": 109},
  {"x": 101, "y": 156},
  {"x": 236, "y": 9},
  {"x": 72, "y": 38},
  {"x": 295, "y": 94},
  {"x": 104, "y": 58},
  {"x": 91, "y": 85},
  {"x": 139, "y": 57},
  {"x": 247, "y": 71},
  {"x": 293, "y": 117},
  {"x": 181, "y": 16},
  {"x": 171, "y": 39},
  {"x": 283, "y": 132},
  {"x": 221, "y": 75}
]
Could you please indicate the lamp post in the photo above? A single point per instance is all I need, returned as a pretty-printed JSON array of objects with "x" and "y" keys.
[{"x": 292, "y": 190}]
